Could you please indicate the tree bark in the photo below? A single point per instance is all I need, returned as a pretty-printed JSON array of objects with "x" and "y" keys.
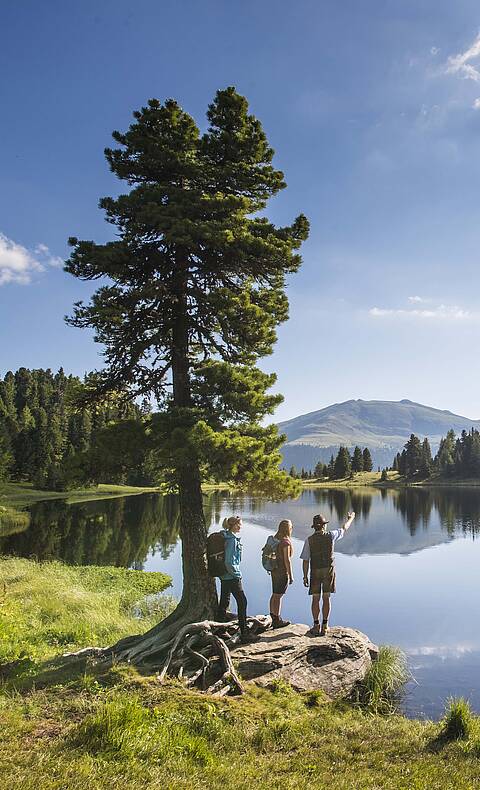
[{"x": 199, "y": 596}]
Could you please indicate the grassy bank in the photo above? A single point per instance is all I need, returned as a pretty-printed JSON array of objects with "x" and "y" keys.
[
  {"x": 17, "y": 495},
  {"x": 91, "y": 727},
  {"x": 50, "y": 608},
  {"x": 394, "y": 480}
]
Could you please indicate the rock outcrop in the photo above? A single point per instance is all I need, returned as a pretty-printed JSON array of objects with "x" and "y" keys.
[{"x": 335, "y": 663}]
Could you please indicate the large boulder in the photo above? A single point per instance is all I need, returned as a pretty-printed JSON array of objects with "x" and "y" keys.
[{"x": 335, "y": 663}]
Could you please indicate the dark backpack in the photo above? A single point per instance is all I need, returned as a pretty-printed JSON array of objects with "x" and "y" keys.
[
  {"x": 216, "y": 554},
  {"x": 269, "y": 554}
]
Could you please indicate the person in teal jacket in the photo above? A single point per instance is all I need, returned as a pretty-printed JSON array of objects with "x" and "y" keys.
[{"x": 231, "y": 581}]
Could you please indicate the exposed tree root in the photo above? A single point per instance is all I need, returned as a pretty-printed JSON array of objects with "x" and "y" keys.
[{"x": 198, "y": 654}]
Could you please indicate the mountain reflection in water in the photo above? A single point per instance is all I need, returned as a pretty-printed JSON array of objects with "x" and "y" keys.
[{"x": 407, "y": 570}]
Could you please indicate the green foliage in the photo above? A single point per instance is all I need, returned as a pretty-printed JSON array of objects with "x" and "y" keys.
[
  {"x": 342, "y": 467},
  {"x": 384, "y": 476},
  {"x": 381, "y": 687},
  {"x": 196, "y": 287},
  {"x": 47, "y": 435},
  {"x": 458, "y": 720},
  {"x": 357, "y": 460},
  {"x": 367, "y": 460}
]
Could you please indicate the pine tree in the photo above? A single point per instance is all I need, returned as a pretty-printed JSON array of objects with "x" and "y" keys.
[
  {"x": 426, "y": 463},
  {"x": 196, "y": 290},
  {"x": 367, "y": 460},
  {"x": 413, "y": 449},
  {"x": 357, "y": 460},
  {"x": 445, "y": 457},
  {"x": 331, "y": 468},
  {"x": 319, "y": 470},
  {"x": 342, "y": 464},
  {"x": 384, "y": 476}
]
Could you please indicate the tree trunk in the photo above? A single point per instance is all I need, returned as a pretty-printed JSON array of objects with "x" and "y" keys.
[{"x": 199, "y": 597}]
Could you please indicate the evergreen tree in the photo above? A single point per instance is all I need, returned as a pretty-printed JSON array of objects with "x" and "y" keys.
[
  {"x": 196, "y": 289},
  {"x": 426, "y": 463},
  {"x": 445, "y": 457},
  {"x": 413, "y": 449},
  {"x": 320, "y": 470},
  {"x": 357, "y": 460},
  {"x": 367, "y": 460},
  {"x": 293, "y": 472},
  {"x": 342, "y": 466},
  {"x": 331, "y": 468},
  {"x": 384, "y": 476}
]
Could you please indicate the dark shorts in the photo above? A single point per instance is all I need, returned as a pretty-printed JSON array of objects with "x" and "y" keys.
[
  {"x": 279, "y": 582},
  {"x": 322, "y": 580}
]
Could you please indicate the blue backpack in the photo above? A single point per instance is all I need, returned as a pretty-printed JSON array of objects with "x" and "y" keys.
[{"x": 269, "y": 554}]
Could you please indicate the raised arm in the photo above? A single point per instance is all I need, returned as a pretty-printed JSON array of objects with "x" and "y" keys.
[{"x": 348, "y": 522}]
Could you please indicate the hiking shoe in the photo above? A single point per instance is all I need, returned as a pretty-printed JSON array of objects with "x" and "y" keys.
[
  {"x": 314, "y": 631},
  {"x": 324, "y": 630},
  {"x": 279, "y": 623}
]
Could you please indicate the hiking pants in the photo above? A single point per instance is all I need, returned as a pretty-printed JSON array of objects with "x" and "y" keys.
[{"x": 233, "y": 587}]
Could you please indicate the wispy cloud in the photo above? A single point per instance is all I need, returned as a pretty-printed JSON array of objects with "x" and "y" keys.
[
  {"x": 418, "y": 299},
  {"x": 18, "y": 264},
  {"x": 462, "y": 63},
  {"x": 441, "y": 312}
]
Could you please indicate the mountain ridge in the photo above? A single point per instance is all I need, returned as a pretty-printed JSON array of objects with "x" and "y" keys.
[{"x": 383, "y": 426}]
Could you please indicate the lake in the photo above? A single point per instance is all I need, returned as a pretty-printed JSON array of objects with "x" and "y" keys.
[{"x": 407, "y": 570}]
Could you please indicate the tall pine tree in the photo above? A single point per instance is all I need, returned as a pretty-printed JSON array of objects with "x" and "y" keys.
[{"x": 196, "y": 289}]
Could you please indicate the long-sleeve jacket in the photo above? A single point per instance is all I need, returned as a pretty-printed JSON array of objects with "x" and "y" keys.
[{"x": 233, "y": 555}]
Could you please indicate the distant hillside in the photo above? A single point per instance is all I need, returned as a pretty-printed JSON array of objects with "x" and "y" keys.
[{"x": 383, "y": 426}]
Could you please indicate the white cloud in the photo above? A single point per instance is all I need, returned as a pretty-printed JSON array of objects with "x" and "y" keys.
[
  {"x": 476, "y": 104},
  {"x": 418, "y": 299},
  {"x": 441, "y": 312},
  {"x": 18, "y": 264},
  {"x": 434, "y": 51},
  {"x": 461, "y": 63}
]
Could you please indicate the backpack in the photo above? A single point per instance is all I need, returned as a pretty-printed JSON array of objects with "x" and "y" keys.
[
  {"x": 216, "y": 554},
  {"x": 269, "y": 554}
]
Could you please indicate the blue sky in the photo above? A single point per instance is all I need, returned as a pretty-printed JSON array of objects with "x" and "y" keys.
[{"x": 373, "y": 109}]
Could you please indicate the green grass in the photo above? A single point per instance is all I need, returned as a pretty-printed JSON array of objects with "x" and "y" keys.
[
  {"x": 384, "y": 681},
  {"x": 458, "y": 722},
  {"x": 22, "y": 494},
  {"x": 50, "y": 608},
  {"x": 100, "y": 725},
  {"x": 359, "y": 479},
  {"x": 12, "y": 520}
]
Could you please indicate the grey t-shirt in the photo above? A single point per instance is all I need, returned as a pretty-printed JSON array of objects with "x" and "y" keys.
[{"x": 336, "y": 534}]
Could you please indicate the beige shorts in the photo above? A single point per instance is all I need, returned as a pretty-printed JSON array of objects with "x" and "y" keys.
[{"x": 322, "y": 580}]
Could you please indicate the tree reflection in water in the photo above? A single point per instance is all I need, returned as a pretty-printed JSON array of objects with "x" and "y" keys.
[{"x": 125, "y": 531}]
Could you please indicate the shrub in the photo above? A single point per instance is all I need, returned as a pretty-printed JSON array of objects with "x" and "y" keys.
[
  {"x": 382, "y": 685},
  {"x": 458, "y": 720}
]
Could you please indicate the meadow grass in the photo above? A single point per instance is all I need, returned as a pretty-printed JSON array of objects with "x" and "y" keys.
[
  {"x": 48, "y": 608},
  {"x": 105, "y": 725},
  {"x": 17, "y": 495}
]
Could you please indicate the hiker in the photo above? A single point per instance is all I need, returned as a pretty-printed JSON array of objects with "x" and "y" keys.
[
  {"x": 231, "y": 581},
  {"x": 318, "y": 557},
  {"x": 282, "y": 574}
]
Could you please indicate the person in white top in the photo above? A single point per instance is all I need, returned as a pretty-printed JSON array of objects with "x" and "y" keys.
[{"x": 319, "y": 561}]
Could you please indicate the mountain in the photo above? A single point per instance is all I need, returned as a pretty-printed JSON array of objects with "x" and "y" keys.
[{"x": 382, "y": 426}]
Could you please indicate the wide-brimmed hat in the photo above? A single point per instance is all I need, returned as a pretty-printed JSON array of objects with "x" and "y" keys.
[{"x": 319, "y": 521}]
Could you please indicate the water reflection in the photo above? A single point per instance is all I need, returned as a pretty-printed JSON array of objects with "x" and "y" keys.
[
  {"x": 119, "y": 531},
  {"x": 126, "y": 530}
]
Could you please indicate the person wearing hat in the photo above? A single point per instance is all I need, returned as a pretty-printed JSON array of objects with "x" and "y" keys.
[{"x": 319, "y": 558}]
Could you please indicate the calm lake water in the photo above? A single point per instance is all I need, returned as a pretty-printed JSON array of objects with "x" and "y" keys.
[{"x": 407, "y": 570}]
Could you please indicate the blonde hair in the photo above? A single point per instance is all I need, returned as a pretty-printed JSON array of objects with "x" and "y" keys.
[
  {"x": 285, "y": 528},
  {"x": 230, "y": 522}
]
